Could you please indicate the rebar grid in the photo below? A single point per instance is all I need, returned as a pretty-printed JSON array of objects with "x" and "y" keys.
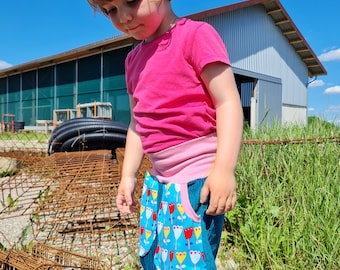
[
  {"x": 69, "y": 199},
  {"x": 22, "y": 260},
  {"x": 44, "y": 257},
  {"x": 80, "y": 206}
]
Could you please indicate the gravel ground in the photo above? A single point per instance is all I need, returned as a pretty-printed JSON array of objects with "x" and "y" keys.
[
  {"x": 11, "y": 229},
  {"x": 14, "y": 220}
]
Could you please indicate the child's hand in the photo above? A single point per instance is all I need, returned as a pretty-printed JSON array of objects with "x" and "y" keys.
[
  {"x": 221, "y": 187},
  {"x": 124, "y": 200}
]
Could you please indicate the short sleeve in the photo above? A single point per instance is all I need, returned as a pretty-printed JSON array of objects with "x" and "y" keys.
[{"x": 205, "y": 46}]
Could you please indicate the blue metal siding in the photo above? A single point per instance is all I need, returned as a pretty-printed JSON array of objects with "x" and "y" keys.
[{"x": 254, "y": 43}]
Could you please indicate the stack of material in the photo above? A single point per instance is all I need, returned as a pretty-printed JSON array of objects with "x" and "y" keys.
[
  {"x": 68, "y": 202},
  {"x": 85, "y": 134}
]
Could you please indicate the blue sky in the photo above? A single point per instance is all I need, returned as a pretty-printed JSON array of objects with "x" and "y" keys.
[{"x": 30, "y": 30}]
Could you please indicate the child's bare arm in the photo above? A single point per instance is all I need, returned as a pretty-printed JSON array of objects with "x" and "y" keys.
[
  {"x": 132, "y": 159},
  {"x": 221, "y": 184}
]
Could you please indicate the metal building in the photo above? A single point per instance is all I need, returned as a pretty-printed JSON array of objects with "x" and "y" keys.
[{"x": 271, "y": 60}]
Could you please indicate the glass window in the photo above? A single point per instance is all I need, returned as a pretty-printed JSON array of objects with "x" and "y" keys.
[
  {"x": 66, "y": 85},
  {"x": 120, "y": 105},
  {"x": 89, "y": 98},
  {"x": 28, "y": 94},
  {"x": 66, "y": 73},
  {"x": 46, "y": 77},
  {"x": 45, "y": 93},
  {"x": 3, "y": 96},
  {"x": 45, "y": 109},
  {"x": 66, "y": 102},
  {"x": 14, "y": 88},
  {"x": 29, "y": 80},
  {"x": 89, "y": 68},
  {"x": 115, "y": 83},
  {"x": 14, "y": 83},
  {"x": 3, "y": 86},
  {"x": 13, "y": 108},
  {"x": 28, "y": 112},
  {"x": 114, "y": 61},
  {"x": 86, "y": 87}
]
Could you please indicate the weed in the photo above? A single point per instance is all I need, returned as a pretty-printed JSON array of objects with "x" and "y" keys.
[{"x": 287, "y": 215}]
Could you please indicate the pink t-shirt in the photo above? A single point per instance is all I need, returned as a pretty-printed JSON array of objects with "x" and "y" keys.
[{"x": 163, "y": 76}]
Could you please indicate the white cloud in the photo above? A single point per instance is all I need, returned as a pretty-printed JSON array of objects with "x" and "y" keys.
[
  {"x": 333, "y": 112},
  {"x": 332, "y": 90},
  {"x": 316, "y": 83},
  {"x": 4, "y": 64},
  {"x": 332, "y": 55},
  {"x": 333, "y": 109},
  {"x": 311, "y": 109}
]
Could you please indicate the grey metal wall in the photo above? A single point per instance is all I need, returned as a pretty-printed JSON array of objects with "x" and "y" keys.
[{"x": 255, "y": 44}]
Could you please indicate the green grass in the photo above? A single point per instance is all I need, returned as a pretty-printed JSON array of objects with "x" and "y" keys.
[
  {"x": 288, "y": 211},
  {"x": 25, "y": 136}
]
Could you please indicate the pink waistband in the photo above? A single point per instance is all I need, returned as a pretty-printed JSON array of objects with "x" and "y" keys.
[{"x": 184, "y": 162}]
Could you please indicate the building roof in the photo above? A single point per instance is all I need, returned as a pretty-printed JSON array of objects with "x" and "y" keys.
[
  {"x": 286, "y": 25},
  {"x": 273, "y": 8},
  {"x": 93, "y": 48}
]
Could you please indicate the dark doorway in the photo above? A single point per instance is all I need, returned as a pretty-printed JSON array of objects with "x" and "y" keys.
[{"x": 245, "y": 86}]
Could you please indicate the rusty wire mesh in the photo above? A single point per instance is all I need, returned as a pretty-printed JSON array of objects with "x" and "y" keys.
[
  {"x": 67, "y": 200},
  {"x": 46, "y": 257}
]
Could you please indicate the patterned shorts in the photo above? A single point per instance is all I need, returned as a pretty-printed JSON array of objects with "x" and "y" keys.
[{"x": 173, "y": 234}]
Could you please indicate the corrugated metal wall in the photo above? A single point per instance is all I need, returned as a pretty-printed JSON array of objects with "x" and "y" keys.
[{"x": 254, "y": 43}]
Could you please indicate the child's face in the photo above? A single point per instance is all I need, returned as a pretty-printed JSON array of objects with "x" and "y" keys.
[{"x": 141, "y": 19}]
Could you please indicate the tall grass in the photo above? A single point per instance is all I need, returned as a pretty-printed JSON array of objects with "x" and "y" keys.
[
  {"x": 288, "y": 211},
  {"x": 27, "y": 136}
]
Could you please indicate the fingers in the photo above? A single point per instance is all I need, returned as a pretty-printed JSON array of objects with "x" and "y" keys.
[
  {"x": 204, "y": 194},
  {"x": 125, "y": 203},
  {"x": 221, "y": 205},
  {"x": 217, "y": 205},
  {"x": 124, "y": 199}
]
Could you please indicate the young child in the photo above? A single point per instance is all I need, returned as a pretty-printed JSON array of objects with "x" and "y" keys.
[{"x": 187, "y": 116}]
